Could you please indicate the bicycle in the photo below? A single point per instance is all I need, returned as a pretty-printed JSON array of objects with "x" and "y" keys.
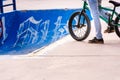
[{"x": 80, "y": 26}]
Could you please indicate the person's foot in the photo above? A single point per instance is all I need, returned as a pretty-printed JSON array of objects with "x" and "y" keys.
[
  {"x": 96, "y": 41},
  {"x": 109, "y": 30}
]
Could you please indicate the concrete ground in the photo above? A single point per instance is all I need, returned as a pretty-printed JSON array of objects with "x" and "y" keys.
[{"x": 66, "y": 59}]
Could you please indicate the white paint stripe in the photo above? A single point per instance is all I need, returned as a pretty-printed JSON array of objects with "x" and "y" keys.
[{"x": 44, "y": 50}]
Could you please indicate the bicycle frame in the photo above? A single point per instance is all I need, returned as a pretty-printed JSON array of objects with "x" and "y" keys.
[
  {"x": 108, "y": 21},
  {"x": 80, "y": 26}
]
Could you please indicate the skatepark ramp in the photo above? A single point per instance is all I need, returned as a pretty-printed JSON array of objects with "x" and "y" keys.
[{"x": 27, "y": 30}]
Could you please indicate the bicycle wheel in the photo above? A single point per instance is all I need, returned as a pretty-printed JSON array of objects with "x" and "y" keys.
[
  {"x": 79, "y": 26},
  {"x": 117, "y": 27}
]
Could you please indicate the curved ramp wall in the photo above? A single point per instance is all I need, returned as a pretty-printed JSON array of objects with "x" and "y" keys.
[{"x": 26, "y": 31}]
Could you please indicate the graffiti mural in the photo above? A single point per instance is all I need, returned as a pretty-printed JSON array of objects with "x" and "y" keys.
[
  {"x": 1, "y": 28},
  {"x": 4, "y": 34},
  {"x": 25, "y": 31}
]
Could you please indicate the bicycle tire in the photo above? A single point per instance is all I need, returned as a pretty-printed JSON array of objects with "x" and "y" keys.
[
  {"x": 83, "y": 28},
  {"x": 117, "y": 28}
]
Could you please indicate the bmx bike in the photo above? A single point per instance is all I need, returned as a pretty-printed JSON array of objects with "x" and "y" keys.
[{"x": 79, "y": 24}]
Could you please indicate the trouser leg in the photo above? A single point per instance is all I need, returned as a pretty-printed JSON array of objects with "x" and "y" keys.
[{"x": 95, "y": 13}]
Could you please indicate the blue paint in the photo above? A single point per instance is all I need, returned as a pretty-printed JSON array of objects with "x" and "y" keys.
[{"x": 26, "y": 31}]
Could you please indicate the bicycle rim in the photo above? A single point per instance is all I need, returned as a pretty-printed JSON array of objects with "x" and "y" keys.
[
  {"x": 79, "y": 26},
  {"x": 117, "y": 27}
]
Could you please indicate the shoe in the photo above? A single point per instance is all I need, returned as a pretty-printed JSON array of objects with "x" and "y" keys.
[
  {"x": 109, "y": 30},
  {"x": 96, "y": 41}
]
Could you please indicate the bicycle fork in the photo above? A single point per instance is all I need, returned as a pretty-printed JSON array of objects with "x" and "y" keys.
[{"x": 81, "y": 23}]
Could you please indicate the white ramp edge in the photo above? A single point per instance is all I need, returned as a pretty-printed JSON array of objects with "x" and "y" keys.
[{"x": 44, "y": 50}]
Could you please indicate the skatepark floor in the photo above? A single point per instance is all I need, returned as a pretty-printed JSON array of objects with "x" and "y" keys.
[{"x": 65, "y": 59}]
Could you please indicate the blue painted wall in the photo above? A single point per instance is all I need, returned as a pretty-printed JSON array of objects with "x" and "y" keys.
[{"x": 26, "y": 31}]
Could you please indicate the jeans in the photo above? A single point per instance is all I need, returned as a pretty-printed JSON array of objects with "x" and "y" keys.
[{"x": 95, "y": 14}]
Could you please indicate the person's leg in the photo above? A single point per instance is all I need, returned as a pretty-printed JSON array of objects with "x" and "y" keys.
[
  {"x": 106, "y": 15},
  {"x": 102, "y": 12},
  {"x": 95, "y": 13}
]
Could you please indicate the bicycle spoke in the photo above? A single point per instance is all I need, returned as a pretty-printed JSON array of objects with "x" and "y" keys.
[
  {"x": 79, "y": 32},
  {"x": 79, "y": 26}
]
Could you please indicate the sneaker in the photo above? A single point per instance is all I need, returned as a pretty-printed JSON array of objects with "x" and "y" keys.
[
  {"x": 109, "y": 30},
  {"x": 96, "y": 41}
]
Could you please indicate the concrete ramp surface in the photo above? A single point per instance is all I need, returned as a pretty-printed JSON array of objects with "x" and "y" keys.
[
  {"x": 28, "y": 30},
  {"x": 66, "y": 59}
]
